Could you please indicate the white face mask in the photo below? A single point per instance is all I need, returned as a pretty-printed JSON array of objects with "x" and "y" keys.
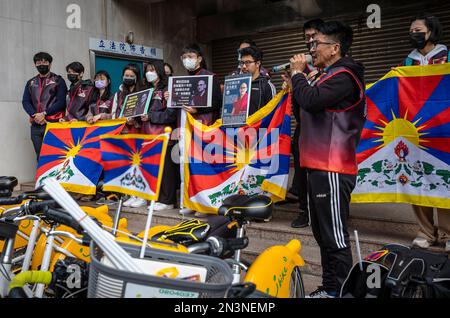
[
  {"x": 151, "y": 76},
  {"x": 190, "y": 64}
]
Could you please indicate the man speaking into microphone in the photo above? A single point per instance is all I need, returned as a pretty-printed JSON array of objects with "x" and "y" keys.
[{"x": 332, "y": 112}]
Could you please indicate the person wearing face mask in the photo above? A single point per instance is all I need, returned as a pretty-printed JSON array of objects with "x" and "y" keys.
[
  {"x": 131, "y": 83},
  {"x": 80, "y": 93},
  {"x": 154, "y": 122},
  {"x": 44, "y": 98},
  {"x": 195, "y": 64},
  {"x": 100, "y": 108},
  {"x": 424, "y": 35}
]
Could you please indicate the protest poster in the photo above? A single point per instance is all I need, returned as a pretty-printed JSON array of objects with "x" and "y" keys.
[
  {"x": 137, "y": 104},
  {"x": 236, "y": 100},
  {"x": 193, "y": 91}
]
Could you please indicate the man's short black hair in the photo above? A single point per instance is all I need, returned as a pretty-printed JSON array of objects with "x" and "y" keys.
[
  {"x": 43, "y": 56},
  {"x": 312, "y": 24},
  {"x": 339, "y": 32},
  {"x": 254, "y": 52},
  {"x": 433, "y": 24},
  {"x": 75, "y": 66},
  {"x": 248, "y": 41}
]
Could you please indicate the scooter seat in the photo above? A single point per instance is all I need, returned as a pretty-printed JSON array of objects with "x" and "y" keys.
[
  {"x": 248, "y": 208},
  {"x": 8, "y": 184}
]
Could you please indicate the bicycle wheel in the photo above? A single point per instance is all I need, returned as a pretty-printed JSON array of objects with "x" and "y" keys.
[{"x": 296, "y": 287}]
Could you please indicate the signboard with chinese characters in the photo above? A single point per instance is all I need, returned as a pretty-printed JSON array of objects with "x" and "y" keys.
[
  {"x": 193, "y": 91},
  {"x": 122, "y": 48},
  {"x": 236, "y": 100},
  {"x": 137, "y": 104}
]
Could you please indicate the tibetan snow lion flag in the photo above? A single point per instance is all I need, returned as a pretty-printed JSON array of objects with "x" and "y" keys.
[
  {"x": 219, "y": 161},
  {"x": 133, "y": 164},
  {"x": 71, "y": 153},
  {"x": 404, "y": 154}
]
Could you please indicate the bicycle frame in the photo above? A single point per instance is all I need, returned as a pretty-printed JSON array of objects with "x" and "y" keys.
[{"x": 272, "y": 270}]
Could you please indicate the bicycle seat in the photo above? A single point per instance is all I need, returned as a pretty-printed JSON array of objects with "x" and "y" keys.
[
  {"x": 8, "y": 183},
  {"x": 247, "y": 207},
  {"x": 185, "y": 233}
]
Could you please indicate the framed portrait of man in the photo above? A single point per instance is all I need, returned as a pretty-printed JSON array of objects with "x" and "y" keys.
[
  {"x": 137, "y": 104},
  {"x": 193, "y": 91},
  {"x": 236, "y": 100}
]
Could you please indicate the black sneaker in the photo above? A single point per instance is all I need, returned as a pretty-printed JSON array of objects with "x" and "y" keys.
[{"x": 301, "y": 221}]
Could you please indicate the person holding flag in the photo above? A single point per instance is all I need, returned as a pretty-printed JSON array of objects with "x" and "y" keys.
[{"x": 425, "y": 34}]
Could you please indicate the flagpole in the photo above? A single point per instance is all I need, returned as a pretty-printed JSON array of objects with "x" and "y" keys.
[
  {"x": 147, "y": 228},
  {"x": 181, "y": 144}
]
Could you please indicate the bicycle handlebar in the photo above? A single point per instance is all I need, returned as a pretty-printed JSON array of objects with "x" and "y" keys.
[
  {"x": 29, "y": 277},
  {"x": 64, "y": 219}
]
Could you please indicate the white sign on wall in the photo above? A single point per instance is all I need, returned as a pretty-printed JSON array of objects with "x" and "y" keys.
[{"x": 122, "y": 48}]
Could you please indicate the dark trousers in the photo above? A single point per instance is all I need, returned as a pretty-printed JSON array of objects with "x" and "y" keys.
[
  {"x": 37, "y": 137},
  {"x": 329, "y": 203},
  {"x": 168, "y": 190},
  {"x": 299, "y": 183}
]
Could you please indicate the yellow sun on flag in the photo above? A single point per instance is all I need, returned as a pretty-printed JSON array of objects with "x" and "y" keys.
[
  {"x": 136, "y": 159},
  {"x": 73, "y": 151},
  {"x": 401, "y": 127},
  {"x": 243, "y": 155}
]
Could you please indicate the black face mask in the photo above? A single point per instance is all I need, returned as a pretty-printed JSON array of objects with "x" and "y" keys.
[
  {"x": 417, "y": 40},
  {"x": 73, "y": 78},
  {"x": 128, "y": 82},
  {"x": 43, "y": 69}
]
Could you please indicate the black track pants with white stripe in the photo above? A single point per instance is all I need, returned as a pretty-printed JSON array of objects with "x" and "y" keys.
[{"x": 329, "y": 204}]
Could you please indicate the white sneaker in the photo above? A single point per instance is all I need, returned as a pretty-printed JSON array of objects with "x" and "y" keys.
[
  {"x": 186, "y": 211},
  {"x": 129, "y": 201},
  {"x": 320, "y": 293},
  {"x": 421, "y": 242},
  {"x": 138, "y": 203},
  {"x": 161, "y": 206},
  {"x": 447, "y": 246}
]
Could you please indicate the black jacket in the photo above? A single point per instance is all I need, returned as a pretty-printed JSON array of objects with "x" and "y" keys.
[
  {"x": 263, "y": 91},
  {"x": 332, "y": 114}
]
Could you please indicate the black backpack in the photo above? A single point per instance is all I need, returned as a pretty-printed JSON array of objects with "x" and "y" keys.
[{"x": 405, "y": 273}]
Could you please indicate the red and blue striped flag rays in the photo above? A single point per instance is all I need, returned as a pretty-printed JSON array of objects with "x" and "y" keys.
[
  {"x": 404, "y": 154},
  {"x": 71, "y": 153},
  {"x": 133, "y": 164},
  {"x": 220, "y": 161}
]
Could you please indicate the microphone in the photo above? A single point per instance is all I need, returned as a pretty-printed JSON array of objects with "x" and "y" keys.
[{"x": 286, "y": 66}]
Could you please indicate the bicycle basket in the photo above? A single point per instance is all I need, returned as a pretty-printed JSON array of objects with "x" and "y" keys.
[{"x": 105, "y": 281}]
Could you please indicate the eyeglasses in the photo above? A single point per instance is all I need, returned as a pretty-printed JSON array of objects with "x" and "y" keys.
[
  {"x": 247, "y": 63},
  {"x": 315, "y": 44}
]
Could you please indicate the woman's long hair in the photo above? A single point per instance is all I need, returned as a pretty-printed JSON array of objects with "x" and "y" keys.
[
  {"x": 138, "y": 87},
  {"x": 107, "y": 94},
  {"x": 159, "y": 69}
]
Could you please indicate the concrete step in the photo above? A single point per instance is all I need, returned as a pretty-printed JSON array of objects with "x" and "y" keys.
[
  {"x": 27, "y": 186},
  {"x": 388, "y": 218},
  {"x": 279, "y": 231}
]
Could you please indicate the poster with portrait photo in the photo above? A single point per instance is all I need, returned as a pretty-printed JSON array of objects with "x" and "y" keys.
[
  {"x": 137, "y": 104},
  {"x": 193, "y": 91},
  {"x": 236, "y": 100}
]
